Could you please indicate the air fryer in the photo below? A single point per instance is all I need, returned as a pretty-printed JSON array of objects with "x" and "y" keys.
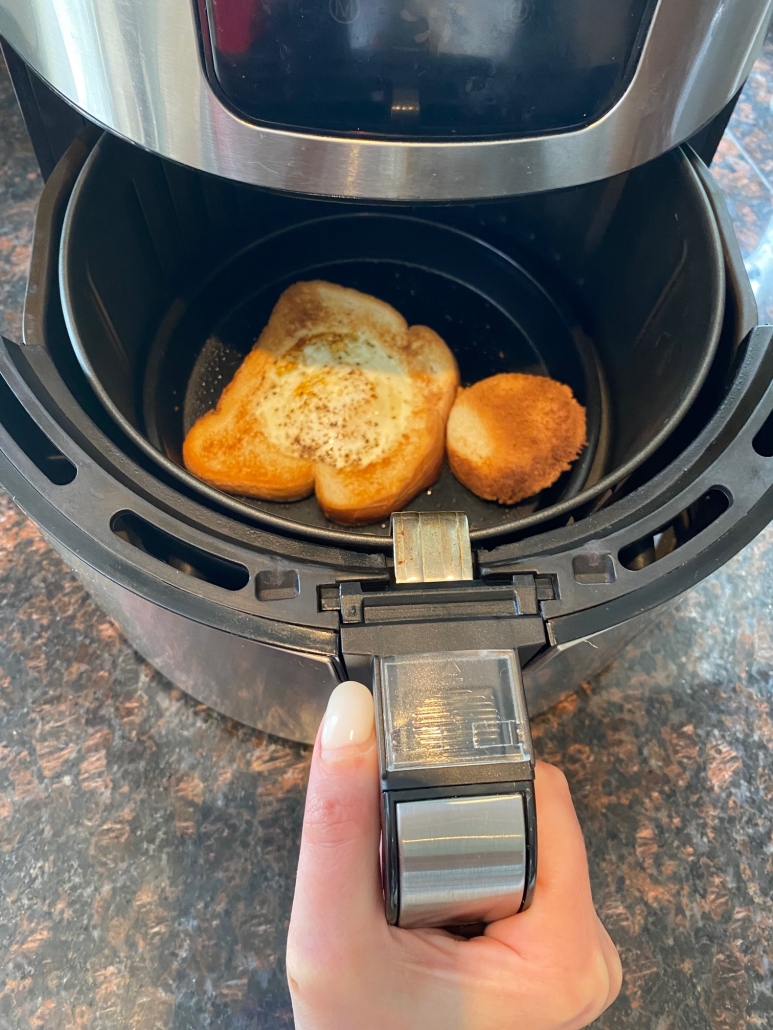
[{"x": 537, "y": 210}]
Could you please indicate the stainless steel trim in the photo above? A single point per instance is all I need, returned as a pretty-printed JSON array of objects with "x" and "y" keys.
[
  {"x": 461, "y": 860},
  {"x": 431, "y": 546},
  {"x": 135, "y": 68}
]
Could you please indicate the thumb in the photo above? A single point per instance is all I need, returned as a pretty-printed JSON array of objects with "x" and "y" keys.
[{"x": 338, "y": 900}]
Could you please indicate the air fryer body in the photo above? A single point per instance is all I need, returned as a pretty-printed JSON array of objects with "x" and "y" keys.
[
  {"x": 550, "y": 132},
  {"x": 245, "y": 613},
  {"x": 395, "y": 101}
]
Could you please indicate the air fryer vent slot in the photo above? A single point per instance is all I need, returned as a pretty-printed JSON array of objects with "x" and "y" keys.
[
  {"x": 763, "y": 441},
  {"x": 683, "y": 528},
  {"x": 179, "y": 554},
  {"x": 28, "y": 435}
]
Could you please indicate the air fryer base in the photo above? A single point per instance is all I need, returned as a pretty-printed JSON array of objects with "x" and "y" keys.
[
  {"x": 270, "y": 688},
  {"x": 286, "y": 692}
]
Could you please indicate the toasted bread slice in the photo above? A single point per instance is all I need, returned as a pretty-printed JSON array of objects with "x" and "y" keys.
[
  {"x": 512, "y": 435},
  {"x": 338, "y": 396}
]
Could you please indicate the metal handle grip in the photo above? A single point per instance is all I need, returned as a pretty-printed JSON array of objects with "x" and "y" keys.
[{"x": 461, "y": 860}]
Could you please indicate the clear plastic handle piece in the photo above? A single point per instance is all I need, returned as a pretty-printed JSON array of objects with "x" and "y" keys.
[{"x": 458, "y": 708}]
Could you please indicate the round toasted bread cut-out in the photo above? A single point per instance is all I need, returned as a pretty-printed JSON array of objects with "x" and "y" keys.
[
  {"x": 512, "y": 435},
  {"x": 339, "y": 397}
]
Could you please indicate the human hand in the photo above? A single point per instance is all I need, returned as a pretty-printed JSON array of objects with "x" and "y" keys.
[{"x": 552, "y": 967}]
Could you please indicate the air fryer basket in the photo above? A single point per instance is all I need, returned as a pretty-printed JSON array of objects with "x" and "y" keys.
[{"x": 617, "y": 288}]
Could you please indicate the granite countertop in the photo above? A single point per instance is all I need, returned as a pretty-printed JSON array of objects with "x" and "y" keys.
[{"x": 148, "y": 846}]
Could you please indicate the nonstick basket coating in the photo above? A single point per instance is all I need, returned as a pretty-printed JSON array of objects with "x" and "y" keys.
[
  {"x": 490, "y": 312},
  {"x": 167, "y": 277}
]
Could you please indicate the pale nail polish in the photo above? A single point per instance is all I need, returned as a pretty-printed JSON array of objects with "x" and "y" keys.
[{"x": 349, "y": 717}]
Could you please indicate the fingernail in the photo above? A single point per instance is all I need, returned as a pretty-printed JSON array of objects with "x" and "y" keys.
[{"x": 349, "y": 717}]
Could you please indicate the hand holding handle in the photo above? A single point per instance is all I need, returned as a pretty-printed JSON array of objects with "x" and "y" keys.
[{"x": 551, "y": 967}]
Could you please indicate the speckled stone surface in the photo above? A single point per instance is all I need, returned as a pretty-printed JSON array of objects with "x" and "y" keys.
[{"x": 148, "y": 846}]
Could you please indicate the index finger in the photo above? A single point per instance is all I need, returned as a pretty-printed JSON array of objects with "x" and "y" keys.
[{"x": 562, "y": 909}]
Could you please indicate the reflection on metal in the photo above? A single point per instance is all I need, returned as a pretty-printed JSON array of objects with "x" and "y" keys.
[
  {"x": 431, "y": 547},
  {"x": 279, "y": 691},
  {"x": 759, "y": 265},
  {"x": 405, "y": 105},
  {"x": 560, "y": 671},
  {"x": 135, "y": 68},
  {"x": 461, "y": 860}
]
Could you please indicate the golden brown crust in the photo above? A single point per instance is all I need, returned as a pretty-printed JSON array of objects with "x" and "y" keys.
[
  {"x": 235, "y": 448},
  {"x": 512, "y": 435},
  {"x": 232, "y": 453}
]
